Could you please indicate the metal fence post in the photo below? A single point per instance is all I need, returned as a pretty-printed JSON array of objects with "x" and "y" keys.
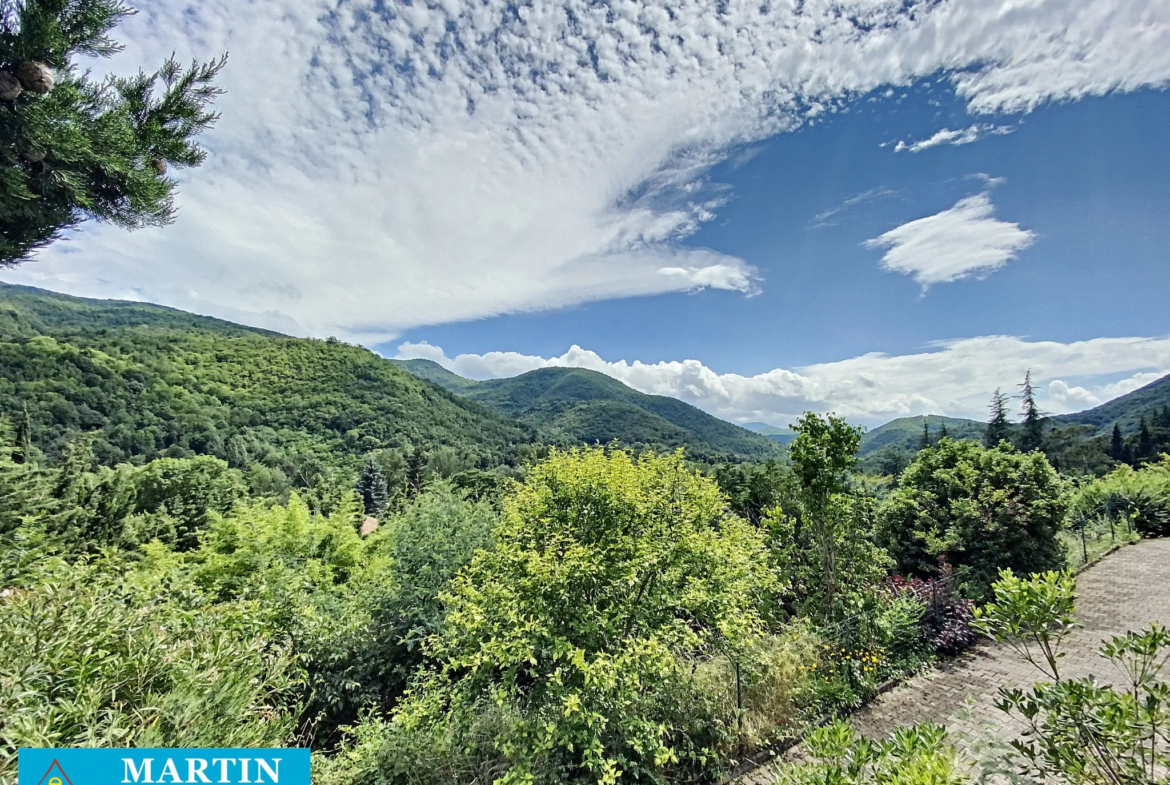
[
  {"x": 738, "y": 699},
  {"x": 1084, "y": 542}
]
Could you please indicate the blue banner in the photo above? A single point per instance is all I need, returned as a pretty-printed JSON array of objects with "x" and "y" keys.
[{"x": 195, "y": 766}]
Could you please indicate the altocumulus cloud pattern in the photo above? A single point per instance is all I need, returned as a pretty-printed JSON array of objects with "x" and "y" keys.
[{"x": 381, "y": 166}]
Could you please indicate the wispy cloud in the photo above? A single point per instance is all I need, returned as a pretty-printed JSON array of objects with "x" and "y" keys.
[
  {"x": 954, "y": 138},
  {"x": 828, "y": 217},
  {"x": 382, "y": 165},
  {"x": 954, "y": 378},
  {"x": 965, "y": 240}
]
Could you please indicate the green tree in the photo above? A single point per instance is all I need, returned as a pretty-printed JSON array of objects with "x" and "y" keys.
[
  {"x": 924, "y": 442},
  {"x": 978, "y": 509},
  {"x": 1145, "y": 444},
  {"x": 72, "y": 148},
  {"x": 1117, "y": 444},
  {"x": 997, "y": 424},
  {"x": 1032, "y": 419},
  {"x": 608, "y": 574},
  {"x": 371, "y": 488},
  {"x": 23, "y": 449},
  {"x": 416, "y": 472},
  {"x": 822, "y": 454}
]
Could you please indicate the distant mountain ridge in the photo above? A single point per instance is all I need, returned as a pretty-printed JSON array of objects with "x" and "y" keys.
[
  {"x": 905, "y": 433},
  {"x": 575, "y": 405},
  {"x": 1127, "y": 410},
  {"x": 144, "y": 381}
]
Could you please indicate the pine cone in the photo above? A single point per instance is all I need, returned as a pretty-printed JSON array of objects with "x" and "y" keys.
[
  {"x": 10, "y": 88},
  {"x": 35, "y": 77},
  {"x": 159, "y": 165}
]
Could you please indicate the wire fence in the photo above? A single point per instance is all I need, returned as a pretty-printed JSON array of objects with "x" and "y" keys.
[{"x": 1095, "y": 533}]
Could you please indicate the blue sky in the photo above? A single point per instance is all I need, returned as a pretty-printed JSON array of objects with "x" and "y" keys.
[
  {"x": 1090, "y": 178},
  {"x": 872, "y": 207}
]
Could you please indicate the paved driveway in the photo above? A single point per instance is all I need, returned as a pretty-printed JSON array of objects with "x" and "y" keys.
[{"x": 1126, "y": 591}]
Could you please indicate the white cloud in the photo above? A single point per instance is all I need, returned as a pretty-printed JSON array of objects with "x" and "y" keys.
[
  {"x": 953, "y": 244},
  {"x": 382, "y": 165},
  {"x": 954, "y": 138},
  {"x": 954, "y": 378}
]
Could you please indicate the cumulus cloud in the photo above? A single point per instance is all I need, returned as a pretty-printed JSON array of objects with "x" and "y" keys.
[
  {"x": 964, "y": 240},
  {"x": 954, "y": 138},
  {"x": 954, "y": 378},
  {"x": 382, "y": 165}
]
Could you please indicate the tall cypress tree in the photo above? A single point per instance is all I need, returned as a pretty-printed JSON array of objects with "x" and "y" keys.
[
  {"x": 74, "y": 147},
  {"x": 1145, "y": 444},
  {"x": 997, "y": 424},
  {"x": 1116, "y": 444},
  {"x": 371, "y": 487},
  {"x": 1032, "y": 417},
  {"x": 22, "y": 451}
]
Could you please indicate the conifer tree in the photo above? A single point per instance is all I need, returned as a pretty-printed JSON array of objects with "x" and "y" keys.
[
  {"x": 74, "y": 148},
  {"x": 997, "y": 425},
  {"x": 1031, "y": 416},
  {"x": 942, "y": 432},
  {"x": 1145, "y": 444},
  {"x": 922, "y": 445},
  {"x": 416, "y": 470},
  {"x": 1116, "y": 444},
  {"x": 371, "y": 487},
  {"x": 22, "y": 450}
]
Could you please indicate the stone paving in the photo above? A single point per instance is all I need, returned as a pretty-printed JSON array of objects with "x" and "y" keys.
[{"x": 1126, "y": 591}]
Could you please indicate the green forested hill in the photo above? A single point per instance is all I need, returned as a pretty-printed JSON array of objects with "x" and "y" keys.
[
  {"x": 574, "y": 405},
  {"x": 905, "y": 433},
  {"x": 148, "y": 381},
  {"x": 1127, "y": 410}
]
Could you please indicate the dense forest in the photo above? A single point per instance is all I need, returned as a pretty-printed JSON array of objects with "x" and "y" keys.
[
  {"x": 574, "y": 406},
  {"x": 218, "y": 536}
]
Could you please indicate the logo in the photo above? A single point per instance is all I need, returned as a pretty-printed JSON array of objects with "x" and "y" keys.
[
  {"x": 190, "y": 766},
  {"x": 61, "y": 778}
]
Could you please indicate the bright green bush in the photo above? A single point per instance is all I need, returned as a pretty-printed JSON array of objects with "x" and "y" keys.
[
  {"x": 1031, "y": 615},
  {"x": 914, "y": 755},
  {"x": 565, "y": 647},
  {"x": 1140, "y": 495},
  {"x": 980, "y": 510}
]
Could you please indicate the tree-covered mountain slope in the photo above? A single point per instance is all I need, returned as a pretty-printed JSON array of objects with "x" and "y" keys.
[
  {"x": 575, "y": 405},
  {"x": 148, "y": 381},
  {"x": 773, "y": 432},
  {"x": 905, "y": 433},
  {"x": 1127, "y": 410}
]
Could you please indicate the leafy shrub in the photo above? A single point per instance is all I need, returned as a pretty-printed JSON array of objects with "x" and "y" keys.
[
  {"x": 947, "y": 618},
  {"x": 912, "y": 755},
  {"x": 1079, "y": 730},
  {"x": 981, "y": 510},
  {"x": 573, "y": 635},
  {"x": 1031, "y": 615},
  {"x": 1084, "y": 732},
  {"x": 1141, "y": 495}
]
